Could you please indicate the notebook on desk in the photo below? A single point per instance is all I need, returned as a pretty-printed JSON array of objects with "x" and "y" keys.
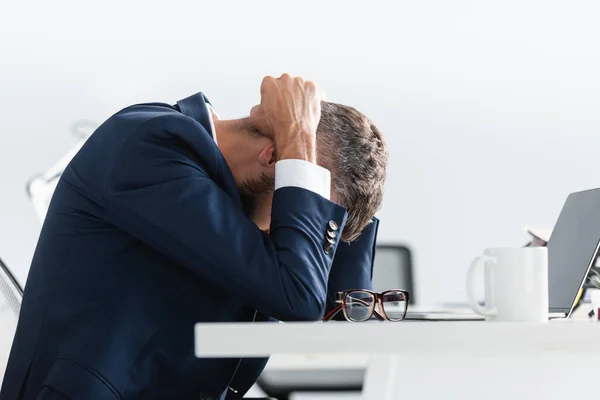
[
  {"x": 572, "y": 249},
  {"x": 442, "y": 313}
]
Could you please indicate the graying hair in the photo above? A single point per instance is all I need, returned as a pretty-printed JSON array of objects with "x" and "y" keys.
[{"x": 355, "y": 152}]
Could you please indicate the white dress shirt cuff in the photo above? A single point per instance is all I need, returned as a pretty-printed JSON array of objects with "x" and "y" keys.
[{"x": 303, "y": 174}]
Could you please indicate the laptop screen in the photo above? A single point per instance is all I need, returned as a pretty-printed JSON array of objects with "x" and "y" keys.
[{"x": 572, "y": 248}]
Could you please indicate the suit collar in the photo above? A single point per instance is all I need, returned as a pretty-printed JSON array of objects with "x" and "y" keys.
[{"x": 195, "y": 107}]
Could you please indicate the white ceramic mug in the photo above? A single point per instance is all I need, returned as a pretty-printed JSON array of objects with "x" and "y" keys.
[{"x": 516, "y": 284}]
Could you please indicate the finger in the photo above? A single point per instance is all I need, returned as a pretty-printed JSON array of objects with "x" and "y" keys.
[
  {"x": 255, "y": 115},
  {"x": 266, "y": 83},
  {"x": 314, "y": 89}
]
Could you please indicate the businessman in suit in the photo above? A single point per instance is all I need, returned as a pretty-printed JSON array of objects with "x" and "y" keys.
[{"x": 169, "y": 216}]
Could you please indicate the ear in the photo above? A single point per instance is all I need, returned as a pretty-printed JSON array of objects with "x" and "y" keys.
[{"x": 266, "y": 158}]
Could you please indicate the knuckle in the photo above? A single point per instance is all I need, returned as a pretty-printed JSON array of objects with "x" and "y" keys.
[{"x": 310, "y": 85}]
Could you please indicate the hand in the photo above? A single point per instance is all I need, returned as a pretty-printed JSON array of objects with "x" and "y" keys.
[{"x": 289, "y": 113}]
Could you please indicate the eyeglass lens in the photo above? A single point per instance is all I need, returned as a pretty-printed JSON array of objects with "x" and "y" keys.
[
  {"x": 359, "y": 306},
  {"x": 394, "y": 305}
]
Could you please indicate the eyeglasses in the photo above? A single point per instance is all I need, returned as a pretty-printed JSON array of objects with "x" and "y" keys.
[{"x": 360, "y": 305}]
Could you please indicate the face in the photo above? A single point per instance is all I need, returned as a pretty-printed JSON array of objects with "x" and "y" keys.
[
  {"x": 251, "y": 159},
  {"x": 259, "y": 210},
  {"x": 257, "y": 195}
]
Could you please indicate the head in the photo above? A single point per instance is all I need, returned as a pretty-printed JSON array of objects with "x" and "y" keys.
[{"x": 348, "y": 145}]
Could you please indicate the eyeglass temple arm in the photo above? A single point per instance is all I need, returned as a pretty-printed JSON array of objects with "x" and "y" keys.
[
  {"x": 377, "y": 315},
  {"x": 331, "y": 314}
]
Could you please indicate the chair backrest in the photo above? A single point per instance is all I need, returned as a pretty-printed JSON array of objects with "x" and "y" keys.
[
  {"x": 393, "y": 269},
  {"x": 11, "y": 295}
]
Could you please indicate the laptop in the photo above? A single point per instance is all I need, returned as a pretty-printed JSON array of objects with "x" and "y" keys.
[{"x": 572, "y": 250}]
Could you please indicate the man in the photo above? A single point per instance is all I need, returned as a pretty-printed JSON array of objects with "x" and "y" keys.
[{"x": 147, "y": 233}]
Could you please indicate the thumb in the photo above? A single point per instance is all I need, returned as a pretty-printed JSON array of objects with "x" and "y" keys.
[
  {"x": 255, "y": 111},
  {"x": 259, "y": 122}
]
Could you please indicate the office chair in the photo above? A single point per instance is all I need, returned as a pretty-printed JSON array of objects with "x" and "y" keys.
[
  {"x": 11, "y": 294},
  {"x": 392, "y": 269}
]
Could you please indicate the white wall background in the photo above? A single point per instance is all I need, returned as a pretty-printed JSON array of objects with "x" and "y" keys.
[{"x": 491, "y": 108}]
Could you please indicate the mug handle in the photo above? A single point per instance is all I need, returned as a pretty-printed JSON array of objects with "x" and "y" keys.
[{"x": 485, "y": 311}]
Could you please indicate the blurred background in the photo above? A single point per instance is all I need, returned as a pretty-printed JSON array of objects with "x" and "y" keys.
[{"x": 491, "y": 109}]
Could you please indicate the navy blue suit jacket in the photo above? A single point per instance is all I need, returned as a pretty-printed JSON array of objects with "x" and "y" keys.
[{"x": 145, "y": 236}]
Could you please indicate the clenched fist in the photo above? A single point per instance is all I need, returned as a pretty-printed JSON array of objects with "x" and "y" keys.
[{"x": 289, "y": 113}]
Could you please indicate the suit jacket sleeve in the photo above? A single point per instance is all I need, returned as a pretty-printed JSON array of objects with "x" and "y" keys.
[
  {"x": 352, "y": 269},
  {"x": 353, "y": 265},
  {"x": 162, "y": 193}
]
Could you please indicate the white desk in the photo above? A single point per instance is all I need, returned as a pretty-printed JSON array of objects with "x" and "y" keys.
[{"x": 430, "y": 360}]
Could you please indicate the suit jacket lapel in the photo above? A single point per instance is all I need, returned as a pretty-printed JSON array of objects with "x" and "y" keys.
[{"x": 195, "y": 107}]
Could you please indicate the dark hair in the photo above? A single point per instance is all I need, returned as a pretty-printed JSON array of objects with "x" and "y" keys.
[{"x": 355, "y": 152}]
